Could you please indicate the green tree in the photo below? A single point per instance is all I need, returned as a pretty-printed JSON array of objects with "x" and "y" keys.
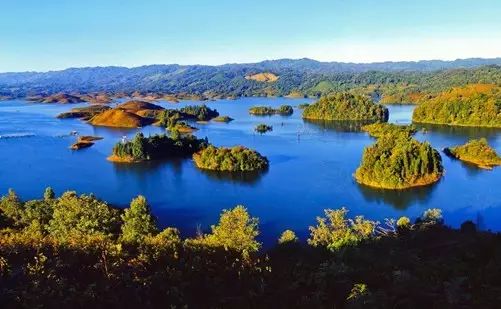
[
  {"x": 12, "y": 207},
  {"x": 81, "y": 216},
  {"x": 236, "y": 230},
  {"x": 49, "y": 194},
  {"x": 335, "y": 231},
  {"x": 137, "y": 221}
]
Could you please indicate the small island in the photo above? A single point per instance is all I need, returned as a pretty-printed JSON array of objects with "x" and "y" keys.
[
  {"x": 263, "y": 128},
  {"x": 475, "y": 105},
  {"x": 284, "y": 110},
  {"x": 158, "y": 146},
  {"x": 477, "y": 152},
  {"x": 222, "y": 119},
  {"x": 399, "y": 161},
  {"x": 198, "y": 112},
  {"x": 234, "y": 159},
  {"x": 346, "y": 107},
  {"x": 378, "y": 130},
  {"x": 119, "y": 118},
  {"x": 85, "y": 141}
]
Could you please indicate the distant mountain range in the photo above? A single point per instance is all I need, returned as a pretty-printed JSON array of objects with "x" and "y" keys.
[{"x": 298, "y": 77}]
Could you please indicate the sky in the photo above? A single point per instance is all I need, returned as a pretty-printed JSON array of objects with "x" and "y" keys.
[{"x": 47, "y": 35}]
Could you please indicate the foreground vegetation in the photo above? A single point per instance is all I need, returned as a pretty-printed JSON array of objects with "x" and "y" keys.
[
  {"x": 81, "y": 252},
  {"x": 346, "y": 106},
  {"x": 234, "y": 159},
  {"x": 158, "y": 146},
  {"x": 476, "y": 151},
  {"x": 398, "y": 161},
  {"x": 476, "y": 105}
]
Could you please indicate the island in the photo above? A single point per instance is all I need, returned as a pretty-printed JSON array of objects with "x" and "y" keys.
[
  {"x": 477, "y": 152},
  {"x": 476, "y": 105},
  {"x": 85, "y": 141},
  {"x": 141, "y": 108},
  {"x": 234, "y": 159},
  {"x": 84, "y": 113},
  {"x": 222, "y": 119},
  {"x": 158, "y": 146},
  {"x": 62, "y": 98},
  {"x": 119, "y": 118},
  {"x": 346, "y": 106},
  {"x": 198, "y": 112},
  {"x": 398, "y": 161},
  {"x": 382, "y": 128},
  {"x": 263, "y": 128},
  {"x": 284, "y": 110}
]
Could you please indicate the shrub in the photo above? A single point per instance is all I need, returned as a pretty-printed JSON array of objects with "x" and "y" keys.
[
  {"x": 137, "y": 221},
  {"x": 287, "y": 237}
]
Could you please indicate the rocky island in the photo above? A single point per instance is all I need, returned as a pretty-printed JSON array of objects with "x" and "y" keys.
[
  {"x": 234, "y": 159},
  {"x": 85, "y": 141},
  {"x": 477, "y": 152},
  {"x": 398, "y": 161},
  {"x": 84, "y": 113},
  {"x": 476, "y": 105},
  {"x": 346, "y": 107}
]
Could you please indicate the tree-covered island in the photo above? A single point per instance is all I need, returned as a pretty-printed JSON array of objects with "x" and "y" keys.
[
  {"x": 346, "y": 106},
  {"x": 158, "y": 146},
  {"x": 477, "y": 151},
  {"x": 398, "y": 161},
  {"x": 234, "y": 159},
  {"x": 477, "y": 105},
  {"x": 380, "y": 129},
  {"x": 284, "y": 110}
]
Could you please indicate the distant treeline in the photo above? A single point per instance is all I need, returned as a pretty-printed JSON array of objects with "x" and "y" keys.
[{"x": 391, "y": 82}]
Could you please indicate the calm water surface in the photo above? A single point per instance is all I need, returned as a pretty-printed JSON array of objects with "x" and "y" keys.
[{"x": 311, "y": 167}]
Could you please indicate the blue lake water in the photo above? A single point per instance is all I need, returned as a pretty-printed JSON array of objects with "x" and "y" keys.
[{"x": 311, "y": 168}]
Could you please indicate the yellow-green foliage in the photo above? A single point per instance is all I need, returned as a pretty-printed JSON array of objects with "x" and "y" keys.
[
  {"x": 287, "y": 237},
  {"x": 284, "y": 110},
  {"x": 336, "y": 231},
  {"x": 403, "y": 222},
  {"x": 235, "y": 159},
  {"x": 263, "y": 128},
  {"x": 346, "y": 106},
  {"x": 137, "y": 221},
  {"x": 398, "y": 162},
  {"x": 478, "y": 152},
  {"x": 476, "y": 105},
  {"x": 380, "y": 129},
  {"x": 236, "y": 230}
]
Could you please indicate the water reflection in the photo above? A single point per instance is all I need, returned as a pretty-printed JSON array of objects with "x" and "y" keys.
[
  {"x": 398, "y": 199},
  {"x": 462, "y": 132},
  {"x": 149, "y": 167},
  {"x": 337, "y": 125},
  {"x": 248, "y": 178}
]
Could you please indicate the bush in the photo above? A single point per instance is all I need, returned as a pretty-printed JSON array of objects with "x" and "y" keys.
[
  {"x": 137, "y": 221},
  {"x": 287, "y": 237}
]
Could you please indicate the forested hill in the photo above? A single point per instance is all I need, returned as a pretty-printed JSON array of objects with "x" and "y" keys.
[{"x": 276, "y": 77}]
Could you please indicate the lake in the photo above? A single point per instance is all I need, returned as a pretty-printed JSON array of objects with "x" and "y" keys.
[{"x": 311, "y": 168}]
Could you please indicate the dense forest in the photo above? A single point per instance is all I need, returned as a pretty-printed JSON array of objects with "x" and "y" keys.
[
  {"x": 80, "y": 251},
  {"x": 346, "y": 106},
  {"x": 477, "y": 105},
  {"x": 158, "y": 146},
  {"x": 477, "y": 151},
  {"x": 394, "y": 82},
  {"x": 398, "y": 161},
  {"x": 234, "y": 159}
]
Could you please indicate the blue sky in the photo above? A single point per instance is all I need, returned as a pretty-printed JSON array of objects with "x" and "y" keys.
[{"x": 50, "y": 34}]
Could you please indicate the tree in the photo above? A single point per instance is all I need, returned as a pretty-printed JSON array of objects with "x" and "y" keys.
[
  {"x": 137, "y": 221},
  {"x": 335, "y": 231},
  {"x": 236, "y": 230},
  {"x": 49, "y": 194},
  {"x": 81, "y": 216},
  {"x": 12, "y": 207},
  {"x": 287, "y": 237}
]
